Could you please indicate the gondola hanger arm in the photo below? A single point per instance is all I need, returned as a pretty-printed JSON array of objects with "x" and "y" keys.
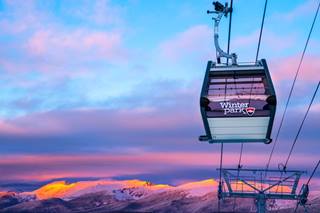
[{"x": 221, "y": 10}]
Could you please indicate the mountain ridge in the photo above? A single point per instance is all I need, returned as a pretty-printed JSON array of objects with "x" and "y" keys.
[{"x": 129, "y": 196}]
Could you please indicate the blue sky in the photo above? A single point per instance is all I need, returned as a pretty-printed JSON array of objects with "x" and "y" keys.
[
  {"x": 108, "y": 78},
  {"x": 142, "y": 33}
]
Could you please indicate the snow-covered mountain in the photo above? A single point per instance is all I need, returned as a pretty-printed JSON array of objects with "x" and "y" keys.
[
  {"x": 128, "y": 196},
  {"x": 121, "y": 190}
]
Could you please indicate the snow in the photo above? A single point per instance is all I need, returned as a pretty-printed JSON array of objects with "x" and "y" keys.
[
  {"x": 199, "y": 188},
  {"x": 128, "y": 191},
  {"x": 5, "y": 193},
  {"x": 122, "y": 190}
]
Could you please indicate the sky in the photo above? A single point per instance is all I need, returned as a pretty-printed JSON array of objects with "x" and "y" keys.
[{"x": 110, "y": 88}]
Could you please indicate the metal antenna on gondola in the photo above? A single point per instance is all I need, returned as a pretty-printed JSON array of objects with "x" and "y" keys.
[{"x": 221, "y": 10}]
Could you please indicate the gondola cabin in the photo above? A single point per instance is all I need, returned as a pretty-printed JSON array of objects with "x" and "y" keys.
[{"x": 238, "y": 103}]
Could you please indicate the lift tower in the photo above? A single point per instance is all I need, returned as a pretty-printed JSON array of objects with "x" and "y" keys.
[{"x": 262, "y": 185}]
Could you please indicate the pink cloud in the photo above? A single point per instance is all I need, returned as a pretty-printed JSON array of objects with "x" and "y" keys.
[
  {"x": 61, "y": 46},
  {"x": 69, "y": 122},
  {"x": 316, "y": 108},
  {"x": 285, "y": 68},
  {"x": 37, "y": 44},
  {"x": 7, "y": 128},
  {"x": 100, "y": 12},
  {"x": 270, "y": 40},
  {"x": 303, "y": 9},
  {"x": 43, "y": 167},
  {"x": 23, "y": 16},
  {"x": 57, "y": 49},
  {"x": 39, "y": 124},
  {"x": 193, "y": 41}
]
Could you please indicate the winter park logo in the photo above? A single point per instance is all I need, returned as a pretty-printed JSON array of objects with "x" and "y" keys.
[{"x": 232, "y": 108}]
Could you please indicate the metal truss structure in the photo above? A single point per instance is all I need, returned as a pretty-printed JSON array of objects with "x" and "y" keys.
[{"x": 261, "y": 185}]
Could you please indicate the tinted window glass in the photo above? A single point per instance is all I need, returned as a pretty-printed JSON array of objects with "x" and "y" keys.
[{"x": 239, "y": 96}]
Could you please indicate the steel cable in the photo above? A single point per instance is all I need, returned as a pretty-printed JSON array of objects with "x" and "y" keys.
[
  {"x": 301, "y": 125},
  {"x": 292, "y": 86},
  {"x": 261, "y": 29}
]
